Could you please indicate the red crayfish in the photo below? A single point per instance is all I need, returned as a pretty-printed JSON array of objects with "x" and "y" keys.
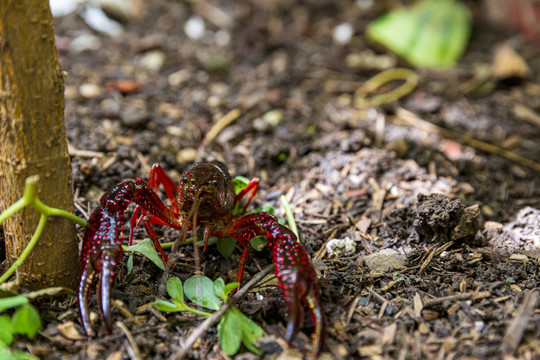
[{"x": 204, "y": 197}]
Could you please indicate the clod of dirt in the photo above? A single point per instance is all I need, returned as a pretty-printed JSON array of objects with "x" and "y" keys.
[
  {"x": 385, "y": 260},
  {"x": 439, "y": 219},
  {"x": 338, "y": 247}
]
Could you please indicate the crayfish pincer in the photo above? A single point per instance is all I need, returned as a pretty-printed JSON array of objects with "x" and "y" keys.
[{"x": 205, "y": 199}]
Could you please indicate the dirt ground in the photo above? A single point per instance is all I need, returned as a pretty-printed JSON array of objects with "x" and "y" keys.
[{"x": 446, "y": 276}]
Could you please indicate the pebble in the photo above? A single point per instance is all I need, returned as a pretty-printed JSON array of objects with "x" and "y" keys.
[
  {"x": 195, "y": 27},
  {"x": 385, "y": 260},
  {"x": 186, "y": 155},
  {"x": 152, "y": 60},
  {"x": 339, "y": 247},
  {"x": 89, "y": 91},
  {"x": 84, "y": 42},
  {"x": 343, "y": 33},
  {"x": 98, "y": 20},
  {"x": 135, "y": 113}
]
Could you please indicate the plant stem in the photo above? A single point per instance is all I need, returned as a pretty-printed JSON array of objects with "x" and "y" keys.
[
  {"x": 26, "y": 251},
  {"x": 30, "y": 198},
  {"x": 289, "y": 215}
]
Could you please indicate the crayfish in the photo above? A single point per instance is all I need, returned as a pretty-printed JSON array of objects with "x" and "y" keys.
[{"x": 205, "y": 199}]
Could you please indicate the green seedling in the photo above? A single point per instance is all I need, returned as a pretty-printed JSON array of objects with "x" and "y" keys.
[
  {"x": 234, "y": 328},
  {"x": 30, "y": 198}
]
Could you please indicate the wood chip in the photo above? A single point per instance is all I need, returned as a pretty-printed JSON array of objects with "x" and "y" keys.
[{"x": 516, "y": 328}]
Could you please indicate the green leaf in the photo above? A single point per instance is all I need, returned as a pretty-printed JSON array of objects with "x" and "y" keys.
[
  {"x": 130, "y": 263},
  {"x": 146, "y": 248},
  {"x": 6, "y": 330},
  {"x": 251, "y": 332},
  {"x": 230, "y": 287},
  {"x": 239, "y": 183},
  {"x": 26, "y": 321},
  {"x": 200, "y": 290},
  {"x": 430, "y": 33},
  {"x": 174, "y": 288},
  {"x": 219, "y": 286},
  {"x": 11, "y": 302},
  {"x": 259, "y": 242},
  {"x": 230, "y": 332},
  {"x": 226, "y": 246},
  {"x": 166, "y": 306}
]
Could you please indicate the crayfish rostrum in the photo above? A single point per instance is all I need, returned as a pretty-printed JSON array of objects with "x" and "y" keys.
[{"x": 204, "y": 198}]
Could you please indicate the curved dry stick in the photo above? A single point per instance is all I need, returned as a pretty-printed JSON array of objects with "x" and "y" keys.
[{"x": 210, "y": 321}]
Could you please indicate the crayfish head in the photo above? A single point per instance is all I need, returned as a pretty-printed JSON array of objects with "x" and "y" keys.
[{"x": 209, "y": 184}]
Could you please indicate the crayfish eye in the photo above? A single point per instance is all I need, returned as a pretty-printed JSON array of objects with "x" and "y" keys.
[
  {"x": 185, "y": 180},
  {"x": 214, "y": 182}
]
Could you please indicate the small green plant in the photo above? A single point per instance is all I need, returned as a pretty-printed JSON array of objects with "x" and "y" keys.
[
  {"x": 24, "y": 320},
  {"x": 234, "y": 328}
]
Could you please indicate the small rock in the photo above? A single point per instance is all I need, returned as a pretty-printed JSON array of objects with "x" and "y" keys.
[
  {"x": 63, "y": 7},
  {"x": 509, "y": 65},
  {"x": 123, "y": 10},
  {"x": 110, "y": 108},
  {"x": 84, "y": 42},
  {"x": 186, "y": 155},
  {"x": 339, "y": 247},
  {"x": 152, "y": 60},
  {"x": 385, "y": 260},
  {"x": 98, "y": 20},
  {"x": 343, "y": 33},
  {"x": 222, "y": 38},
  {"x": 69, "y": 331},
  {"x": 135, "y": 113},
  {"x": 89, "y": 91},
  {"x": 195, "y": 28}
]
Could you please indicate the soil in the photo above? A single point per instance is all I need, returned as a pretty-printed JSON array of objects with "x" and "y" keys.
[{"x": 450, "y": 232}]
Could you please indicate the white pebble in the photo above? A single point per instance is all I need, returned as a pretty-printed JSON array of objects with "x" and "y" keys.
[
  {"x": 152, "y": 60},
  {"x": 97, "y": 20},
  {"x": 343, "y": 33},
  {"x": 84, "y": 42},
  {"x": 338, "y": 247},
  {"x": 88, "y": 90},
  {"x": 195, "y": 27},
  {"x": 222, "y": 38}
]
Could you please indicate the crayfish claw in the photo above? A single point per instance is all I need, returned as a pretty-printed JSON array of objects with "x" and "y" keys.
[
  {"x": 100, "y": 254},
  {"x": 87, "y": 276},
  {"x": 298, "y": 290},
  {"x": 108, "y": 266},
  {"x": 314, "y": 304}
]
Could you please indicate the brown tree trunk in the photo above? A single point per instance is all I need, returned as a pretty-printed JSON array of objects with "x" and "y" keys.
[{"x": 33, "y": 141}]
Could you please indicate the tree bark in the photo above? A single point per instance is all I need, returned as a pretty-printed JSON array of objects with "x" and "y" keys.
[{"x": 33, "y": 141}]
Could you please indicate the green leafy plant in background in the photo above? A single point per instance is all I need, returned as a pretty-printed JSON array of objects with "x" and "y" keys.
[
  {"x": 234, "y": 328},
  {"x": 430, "y": 33}
]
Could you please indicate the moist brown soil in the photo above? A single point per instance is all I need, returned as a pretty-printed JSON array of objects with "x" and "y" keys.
[{"x": 465, "y": 286}]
